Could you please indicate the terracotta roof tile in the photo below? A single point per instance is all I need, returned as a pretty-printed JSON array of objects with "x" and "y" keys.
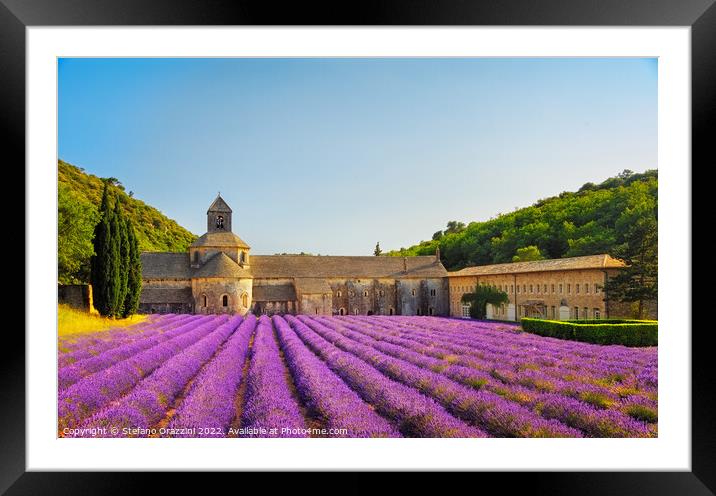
[
  {"x": 573, "y": 263},
  {"x": 220, "y": 265}
]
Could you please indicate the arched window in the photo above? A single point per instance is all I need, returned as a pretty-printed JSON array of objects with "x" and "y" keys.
[
  {"x": 244, "y": 300},
  {"x": 219, "y": 221},
  {"x": 225, "y": 301},
  {"x": 413, "y": 292},
  {"x": 339, "y": 295},
  {"x": 355, "y": 311},
  {"x": 391, "y": 311},
  {"x": 365, "y": 293},
  {"x": 204, "y": 300},
  {"x": 341, "y": 311}
]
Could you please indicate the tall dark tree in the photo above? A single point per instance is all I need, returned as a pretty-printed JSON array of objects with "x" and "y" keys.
[
  {"x": 134, "y": 278},
  {"x": 377, "y": 252},
  {"x": 123, "y": 257},
  {"x": 99, "y": 276},
  {"x": 637, "y": 237},
  {"x": 113, "y": 267}
]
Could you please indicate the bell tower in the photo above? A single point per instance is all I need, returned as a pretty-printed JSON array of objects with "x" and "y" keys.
[{"x": 218, "y": 217}]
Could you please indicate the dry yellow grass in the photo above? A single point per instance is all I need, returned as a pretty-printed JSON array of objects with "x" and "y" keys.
[{"x": 74, "y": 322}]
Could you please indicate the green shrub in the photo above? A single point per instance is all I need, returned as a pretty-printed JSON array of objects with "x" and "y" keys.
[{"x": 627, "y": 333}]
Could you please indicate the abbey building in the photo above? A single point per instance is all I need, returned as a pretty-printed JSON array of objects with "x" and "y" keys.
[{"x": 219, "y": 275}]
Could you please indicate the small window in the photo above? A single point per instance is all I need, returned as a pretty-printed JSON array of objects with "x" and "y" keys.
[
  {"x": 538, "y": 288},
  {"x": 569, "y": 289},
  {"x": 576, "y": 288},
  {"x": 339, "y": 295},
  {"x": 597, "y": 314},
  {"x": 365, "y": 293},
  {"x": 244, "y": 300},
  {"x": 316, "y": 311},
  {"x": 560, "y": 289},
  {"x": 420, "y": 311},
  {"x": 391, "y": 311},
  {"x": 433, "y": 292},
  {"x": 381, "y": 293},
  {"x": 220, "y": 223},
  {"x": 518, "y": 289},
  {"x": 466, "y": 310},
  {"x": 204, "y": 301},
  {"x": 524, "y": 288},
  {"x": 430, "y": 311},
  {"x": 413, "y": 292},
  {"x": 586, "y": 288},
  {"x": 552, "y": 288},
  {"x": 512, "y": 288},
  {"x": 544, "y": 289},
  {"x": 225, "y": 301},
  {"x": 341, "y": 311},
  {"x": 596, "y": 288},
  {"x": 196, "y": 257}
]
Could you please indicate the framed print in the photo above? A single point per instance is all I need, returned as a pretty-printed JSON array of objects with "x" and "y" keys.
[{"x": 429, "y": 238}]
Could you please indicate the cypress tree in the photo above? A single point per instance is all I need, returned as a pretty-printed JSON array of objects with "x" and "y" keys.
[
  {"x": 123, "y": 257},
  {"x": 134, "y": 279},
  {"x": 114, "y": 266},
  {"x": 98, "y": 261}
]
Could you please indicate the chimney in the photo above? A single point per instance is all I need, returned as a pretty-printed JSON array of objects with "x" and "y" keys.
[
  {"x": 437, "y": 255},
  {"x": 405, "y": 264}
]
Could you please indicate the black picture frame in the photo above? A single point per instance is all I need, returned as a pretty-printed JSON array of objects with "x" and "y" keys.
[{"x": 700, "y": 15}]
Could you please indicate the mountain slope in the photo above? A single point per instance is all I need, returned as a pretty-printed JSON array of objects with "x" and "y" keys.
[
  {"x": 155, "y": 231},
  {"x": 571, "y": 224}
]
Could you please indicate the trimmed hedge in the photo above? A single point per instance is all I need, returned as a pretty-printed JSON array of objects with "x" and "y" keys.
[{"x": 626, "y": 333}]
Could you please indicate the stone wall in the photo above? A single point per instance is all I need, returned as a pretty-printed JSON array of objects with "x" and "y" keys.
[{"x": 77, "y": 296}]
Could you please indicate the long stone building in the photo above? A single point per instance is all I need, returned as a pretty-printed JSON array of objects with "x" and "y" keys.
[
  {"x": 561, "y": 289},
  {"x": 219, "y": 275}
]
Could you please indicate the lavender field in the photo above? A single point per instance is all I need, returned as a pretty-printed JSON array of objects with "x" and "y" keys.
[{"x": 353, "y": 376}]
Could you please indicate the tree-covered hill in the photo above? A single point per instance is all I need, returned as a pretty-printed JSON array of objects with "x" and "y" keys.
[
  {"x": 79, "y": 195},
  {"x": 593, "y": 220}
]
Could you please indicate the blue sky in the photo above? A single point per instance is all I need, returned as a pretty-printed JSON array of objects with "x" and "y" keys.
[{"x": 331, "y": 155}]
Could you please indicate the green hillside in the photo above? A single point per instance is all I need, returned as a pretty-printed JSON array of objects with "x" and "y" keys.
[
  {"x": 593, "y": 220},
  {"x": 79, "y": 195}
]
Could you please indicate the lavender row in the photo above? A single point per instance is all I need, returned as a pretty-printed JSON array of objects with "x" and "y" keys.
[
  {"x": 72, "y": 349},
  {"x": 540, "y": 378},
  {"x": 91, "y": 393},
  {"x": 415, "y": 414},
  {"x": 208, "y": 408},
  {"x": 326, "y": 394},
  {"x": 590, "y": 372},
  {"x": 269, "y": 404},
  {"x": 489, "y": 332},
  {"x": 84, "y": 345},
  {"x": 586, "y": 417},
  {"x": 70, "y": 374},
  {"x": 147, "y": 403},
  {"x": 484, "y": 409}
]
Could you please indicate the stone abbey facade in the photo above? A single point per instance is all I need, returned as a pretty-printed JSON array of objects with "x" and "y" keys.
[{"x": 220, "y": 275}]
